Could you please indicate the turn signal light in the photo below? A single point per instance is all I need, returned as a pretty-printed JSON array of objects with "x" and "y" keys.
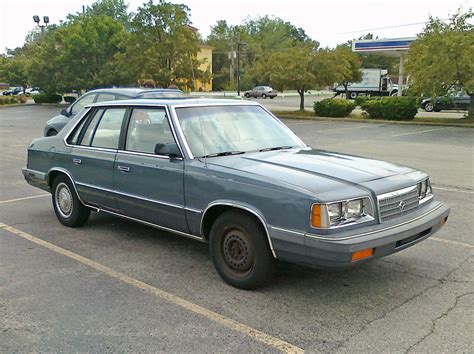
[
  {"x": 357, "y": 256},
  {"x": 316, "y": 215}
]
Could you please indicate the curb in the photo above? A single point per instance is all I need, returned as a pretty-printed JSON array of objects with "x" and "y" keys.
[{"x": 376, "y": 121}]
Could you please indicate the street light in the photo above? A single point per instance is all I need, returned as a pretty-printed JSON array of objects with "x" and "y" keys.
[
  {"x": 37, "y": 21},
  {"x": 238, "y": 65}
]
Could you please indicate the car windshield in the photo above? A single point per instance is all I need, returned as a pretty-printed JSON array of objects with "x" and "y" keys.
[{"x": 228, "y": 130}]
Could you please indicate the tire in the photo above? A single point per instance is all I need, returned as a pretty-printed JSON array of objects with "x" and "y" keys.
[
  {"x": 52, "y": 132},
  {"x": 272, "y": 97},
  {"x": 352, "y": 95},
  {"x": 67, "y": 206},
  {"x": 264, "y": 96},
  {"x": 428, "y": 107},
  {"x": 240, "y": 252},
  {"x": 247, "y": 95}
]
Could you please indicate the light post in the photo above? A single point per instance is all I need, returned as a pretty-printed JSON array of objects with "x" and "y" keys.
[
  {"x": 238, "y": 65},
  {"x": 45, "y": 20}
]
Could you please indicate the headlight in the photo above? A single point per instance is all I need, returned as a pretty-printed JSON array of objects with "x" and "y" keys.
[
  {"x": 424, "y": 190},
  {"x": 343, "y": 213}
]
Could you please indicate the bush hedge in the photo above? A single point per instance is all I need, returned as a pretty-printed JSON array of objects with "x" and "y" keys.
[
  {"x": 394, "y": 108},
  {"x": 12, "y": 99},
  {"x": 333, "y": 108},
  {"x": 47, "y": 98},
  {"x": 69, "y": 99}
]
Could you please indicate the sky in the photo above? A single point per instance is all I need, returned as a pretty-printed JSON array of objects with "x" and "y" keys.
[{"x": 328, "y": 22}]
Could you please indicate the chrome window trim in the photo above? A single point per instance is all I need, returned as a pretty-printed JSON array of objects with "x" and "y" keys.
[
  {"x": 239, "y": 206},
  {"x": 164, "y": 157},
  {"x": 325, "y": 238},
  {"x": 362, "y": 220},
  {"x": 94, "y": 148}
]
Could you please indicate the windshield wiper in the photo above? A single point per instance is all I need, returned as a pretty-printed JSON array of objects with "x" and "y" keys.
[
  {"x": 225, "y": 153},
  {"x": 275, "y": 148}
]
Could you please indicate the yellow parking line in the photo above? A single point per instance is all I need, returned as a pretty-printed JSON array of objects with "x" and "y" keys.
[
  {"x": 176, "y": 300},
  {"x": 25, "y": 198}
]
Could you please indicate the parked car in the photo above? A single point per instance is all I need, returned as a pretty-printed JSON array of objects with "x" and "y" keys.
[
  {"x": 55, "y": 124},
  {"x": 32, "y": 90},
  {"x": 456, "y": 100},
  {"x": 231, "y": 174},
  {"x": 13, "y": 91},
  {"x": 261, "y": 91}
]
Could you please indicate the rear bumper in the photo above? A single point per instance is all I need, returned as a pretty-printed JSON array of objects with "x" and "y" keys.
[
  {"x": 36, "y": 178},
  {"x": 335, "y": 251}
]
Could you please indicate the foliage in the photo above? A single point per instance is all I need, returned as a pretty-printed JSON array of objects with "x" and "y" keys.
[
  {"x": 393, "y": 108},
  {"x": 262, "y": 36},
  {"x": 4, "y": 100},
  {"x": 360, "y": 99},
  {"x": 348, "y": 66},
  {"x": 69, "y": 99},
  {"x": 47, "y": 98},
  {"x": 442, "y": 57},
  {"x": 333, "y": 108}
]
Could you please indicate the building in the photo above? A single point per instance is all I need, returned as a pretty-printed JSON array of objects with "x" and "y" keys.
[{"x": 205, "y": 55}]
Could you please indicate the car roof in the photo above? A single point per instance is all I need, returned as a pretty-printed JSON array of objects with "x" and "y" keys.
[
  {"x": 181, "y": 101},
  {"x": 134, "y": 91}
]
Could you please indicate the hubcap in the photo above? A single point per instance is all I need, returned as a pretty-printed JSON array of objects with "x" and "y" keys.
[
  {"x": 237, "y": 251},
  {"x": 64, "y": 200}
]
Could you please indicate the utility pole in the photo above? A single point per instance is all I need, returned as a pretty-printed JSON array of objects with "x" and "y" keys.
[
  {"x": 240, "y": 44},
  {"x": 232, "y": 56}
]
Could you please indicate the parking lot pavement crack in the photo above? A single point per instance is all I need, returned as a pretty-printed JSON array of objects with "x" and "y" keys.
[{"x": 435, "y": 320}]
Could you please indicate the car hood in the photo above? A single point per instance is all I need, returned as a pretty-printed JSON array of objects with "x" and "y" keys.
[{"x": 319, "y": 171}]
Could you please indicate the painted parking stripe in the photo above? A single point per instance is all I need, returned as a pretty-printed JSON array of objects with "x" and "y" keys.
[
  {"x": 419, "y": 132},
  {"x": 253, "y": 333},
  {"x": 457, "y": 243},
  {"x": 453, "y": 190},
  {"x": 25, "y": 198}
]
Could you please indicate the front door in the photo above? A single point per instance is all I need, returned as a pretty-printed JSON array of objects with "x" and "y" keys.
[
  {"x": 149, "y": 185},
  {"x": 95, "y": 145}
]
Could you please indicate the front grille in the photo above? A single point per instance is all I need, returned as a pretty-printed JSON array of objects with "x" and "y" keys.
[{"x": 398, "y": 203}]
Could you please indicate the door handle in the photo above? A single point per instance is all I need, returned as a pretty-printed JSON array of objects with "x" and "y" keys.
[
  {"x": 125, "y": 169},
  {"x": 77, "y": 161}
]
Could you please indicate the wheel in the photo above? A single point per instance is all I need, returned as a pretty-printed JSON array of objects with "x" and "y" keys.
[
  {"x": 67, "y": 206},
  {"x": 352, "y": 95},
  {"x": 272, "y": 97},
  {"x": 240, "y": 251},
  {"x": 52, "y": 132},
  {"x": 247, "y": 95},
  {"x": 264, "y": 95},
  {"x": 429, "y": 107}
]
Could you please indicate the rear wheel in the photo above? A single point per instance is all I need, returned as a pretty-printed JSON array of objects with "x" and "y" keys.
[
  {"x": 67, "y": 206},
  {"x": 240, "y": 251},
  {"x": 429, "y": 107},
  {"x": 264, "y": 95}
]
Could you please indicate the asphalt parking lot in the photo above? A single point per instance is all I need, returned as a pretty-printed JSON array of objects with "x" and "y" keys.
[{"x": 114, "y": 285}]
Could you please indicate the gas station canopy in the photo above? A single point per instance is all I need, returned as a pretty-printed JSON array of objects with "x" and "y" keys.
[{"x": 395, "y": 47}]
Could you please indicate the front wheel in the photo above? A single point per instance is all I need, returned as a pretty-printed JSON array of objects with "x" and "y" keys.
[
  {"x": 264, "y": 95},
  {"x": 67, "y": 206},
  {"x": 429, "y": 107},
  {"x": 247, "y": 95},
  {"x": 240, "y": 251}
]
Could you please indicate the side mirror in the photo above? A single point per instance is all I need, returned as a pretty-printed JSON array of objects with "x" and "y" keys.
[
  {"x": 65, "y": 112},
  {"x": 170, "y": 150}
]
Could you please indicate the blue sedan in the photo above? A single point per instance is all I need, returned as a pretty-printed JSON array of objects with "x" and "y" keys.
[{"x": 229, "y": 173}]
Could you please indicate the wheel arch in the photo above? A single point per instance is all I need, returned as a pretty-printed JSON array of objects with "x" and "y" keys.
[
  {"x": 56, "y": 171},
  {"x": 216, "y": 208}
]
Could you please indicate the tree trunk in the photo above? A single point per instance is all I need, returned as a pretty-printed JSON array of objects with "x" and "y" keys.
[
  {"x": 301, "y": 93},
  {"x": 470, "y": 112}
]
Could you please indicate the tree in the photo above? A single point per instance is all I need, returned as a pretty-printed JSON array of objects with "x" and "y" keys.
[
  {"x": 162, "y": 45},
  {"x": 300, "y": 67},
  {"x": 348, "y": 66},
  {"x": 442, "y": 57}
]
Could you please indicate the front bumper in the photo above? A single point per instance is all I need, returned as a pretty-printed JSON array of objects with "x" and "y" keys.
[{"x": 335, "y": 251}]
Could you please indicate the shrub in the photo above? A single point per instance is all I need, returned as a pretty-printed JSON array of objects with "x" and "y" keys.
[
  {"x": 361, "y": 99},
  {"x": 333, "y": 108},
  {"x": 22, "y": 99},
  {"x": 47, "y": 98},
  {"x": 10, "y": 100},
  {"x": 69, "y": 99},
  {"x": 394, "y": 108}
]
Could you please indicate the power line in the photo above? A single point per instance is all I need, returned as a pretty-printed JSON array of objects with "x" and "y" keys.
[{"x": 388, "y": 27}]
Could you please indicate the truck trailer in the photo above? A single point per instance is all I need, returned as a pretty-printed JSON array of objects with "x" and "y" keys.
[{"x": 375, "y": 82}]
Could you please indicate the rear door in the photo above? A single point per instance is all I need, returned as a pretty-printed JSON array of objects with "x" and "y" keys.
[
  {"x": 148, "y": 184},
  {"x": 93, "y": 154}
]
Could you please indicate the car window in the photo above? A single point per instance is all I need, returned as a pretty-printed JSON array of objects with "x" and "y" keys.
[
  {"x": 107, "y": 133},
  {"x": 147, "y": 128},
  {"x": 74, "y": 137},
  {"x": 101, "y": 97},
  {"x": 81, "y": 102},
  {"x": 89, "y": 131}
]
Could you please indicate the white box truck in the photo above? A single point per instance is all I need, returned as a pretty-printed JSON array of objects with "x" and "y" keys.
[{"x": 375, "y": 82}]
